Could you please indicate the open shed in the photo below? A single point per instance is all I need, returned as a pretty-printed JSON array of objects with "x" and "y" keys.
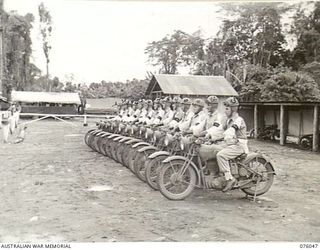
[{"x": 292, "y": 118}]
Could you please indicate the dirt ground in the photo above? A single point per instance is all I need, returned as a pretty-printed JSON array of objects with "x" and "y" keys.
[{"x": 56, "y": 189}]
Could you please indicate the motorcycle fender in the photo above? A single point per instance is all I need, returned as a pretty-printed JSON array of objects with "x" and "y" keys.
[
  {"x": 113, "y": 136},
  {"x": 141, "y": 144},
  {"x": 147, "y": 148},
  {"x": 132, "y": 141},
  {"x": 125, "y": 139},
  {"x": 96, "y": 131},
  {"x": 118, "y": 138},
  {"x": 252, "y": 156},
  {"x": 178, "y": 157},
  {"x": 91, "y": 131},
  {"x": 158, "y": 153},
  {"x": 100, "y": 133},
  {"x": 105, "y": 134}
]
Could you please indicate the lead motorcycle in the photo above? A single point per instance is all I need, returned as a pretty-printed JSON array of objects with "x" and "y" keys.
[{"x": 180, "y": 175}]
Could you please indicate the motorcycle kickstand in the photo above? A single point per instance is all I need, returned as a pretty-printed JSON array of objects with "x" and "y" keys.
[{"x": 255, "y": 191}]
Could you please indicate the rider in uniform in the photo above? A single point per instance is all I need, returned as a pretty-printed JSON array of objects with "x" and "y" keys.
[
  {"x": 235, "y": 139},
  {"x": 169, "y": 113}
]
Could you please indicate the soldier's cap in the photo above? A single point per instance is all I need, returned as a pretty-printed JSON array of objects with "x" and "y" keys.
[
  {"x": 149, "y": 102},
  {"x": 198, "y": 102},
  {"x": 212, "y": 99},
  {"x": 168, "y": 99},
  {"x": 157, "y": 100},
  {"x": 231, "y": 102},
  {"x": 135, "y": 102},
  {"x": 141, "y": 100},
  {"x": 186, "y": 101},
  {"x": 176, "y": 99}
]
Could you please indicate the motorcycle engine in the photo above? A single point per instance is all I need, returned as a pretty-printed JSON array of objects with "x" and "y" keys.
[{"x": 243, "y": 172}]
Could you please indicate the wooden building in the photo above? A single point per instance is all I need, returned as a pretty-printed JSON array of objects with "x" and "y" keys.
[
  {"x": 192, "y": 86},
  {"x": 47, "y": 102}
]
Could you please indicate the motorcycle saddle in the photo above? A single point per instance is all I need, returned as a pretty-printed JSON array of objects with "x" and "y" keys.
[{"x": 241, "y": 157}]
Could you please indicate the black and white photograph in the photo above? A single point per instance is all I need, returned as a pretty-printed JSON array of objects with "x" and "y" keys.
[{"x": 159, "y": 122}]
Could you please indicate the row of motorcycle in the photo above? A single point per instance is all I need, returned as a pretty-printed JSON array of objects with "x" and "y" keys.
[{"x": 167, "y": 162}]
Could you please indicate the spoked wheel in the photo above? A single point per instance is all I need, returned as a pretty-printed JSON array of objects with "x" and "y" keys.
[
  {"x": 126, "y": 155},
  {"x": 98, "y": 143},
  {"x": 261, "y": 184},
  {"x": 305, "y": 142},
  {"x": 153, "y": 166},
  {"x": 173, "y": 183},
  {"x": 120, "y": 151},
  {"x": 91, "y": 140},
  {"x": 107, "y": 148},
  {"x": 102, "y": 146},
  {"x": 87, "y": 136},
  {"x": 139, "y": 164},
  {"x": 132, "y": 154},
  {"x": 113, "y": 148}
]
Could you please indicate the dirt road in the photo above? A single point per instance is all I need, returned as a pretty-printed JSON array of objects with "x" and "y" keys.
[{"x": 55, "y": 188}]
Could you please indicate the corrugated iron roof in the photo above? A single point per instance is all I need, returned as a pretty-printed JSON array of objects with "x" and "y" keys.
[
  {"x": 194, "y": 85},
  {"x": 49, "y": 97}
]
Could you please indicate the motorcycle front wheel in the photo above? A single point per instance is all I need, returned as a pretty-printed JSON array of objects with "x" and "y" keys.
[
  {"x": 173, "y": 184},
  {"x": 153, "y": 167}
]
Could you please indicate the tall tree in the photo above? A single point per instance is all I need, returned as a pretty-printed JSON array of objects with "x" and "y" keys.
[
  {"x": 306, "y": 29},
  {"x": 45, "y": 31}
]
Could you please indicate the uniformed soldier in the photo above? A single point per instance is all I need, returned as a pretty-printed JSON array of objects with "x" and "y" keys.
[
  {"x": 179, "y": 113},
  {"x": 5, "y": 115},
  {"x": 197, "y": 122},
  {"x": 169, "y": 113},
  {"x": 151, "y": 113},
  {"x": 235, "y": 138},
  {"x": 189, "y": 113},
  {"x": 157, "y": 104},
  {"x": 144, "y": 111}
]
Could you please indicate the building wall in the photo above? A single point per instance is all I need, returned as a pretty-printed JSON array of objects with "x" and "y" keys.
[{"x": 297, "y": 125}]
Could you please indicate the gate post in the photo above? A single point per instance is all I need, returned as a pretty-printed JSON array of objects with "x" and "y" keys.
[{"x": 315, "y": 143}]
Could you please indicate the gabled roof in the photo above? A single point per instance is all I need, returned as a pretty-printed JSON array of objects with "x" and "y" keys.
[
  {"x": 49, "y": 97},
  {"x": 192, "y": 85}
]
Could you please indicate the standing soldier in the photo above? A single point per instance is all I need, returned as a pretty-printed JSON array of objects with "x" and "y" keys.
[{"x": 5, "y": 115}]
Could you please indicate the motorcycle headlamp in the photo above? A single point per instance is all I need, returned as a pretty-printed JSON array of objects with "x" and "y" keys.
[
  {"x": 181, "y": 145},
  {"x": 154, "y": 137},
  {"x": 166, "y": 141},
  {"x": 146, "y": 134}
]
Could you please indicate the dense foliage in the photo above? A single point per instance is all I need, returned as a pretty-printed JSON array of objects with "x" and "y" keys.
[
  {"x": 263, "y": 57},
  {"x": 252, "y": 51}
]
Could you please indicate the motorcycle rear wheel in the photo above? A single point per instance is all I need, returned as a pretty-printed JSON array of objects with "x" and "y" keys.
[
  {"x": 171, "y": 182},
  {"x": 259, "y": 165}
]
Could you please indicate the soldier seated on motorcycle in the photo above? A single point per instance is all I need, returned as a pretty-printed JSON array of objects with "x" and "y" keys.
[
  {"x": 179, "y": 113},
  {"x": 169, "y": 113},
  {"x": 233, "y": 145},
  {"x": 196, "y": 124},
  {"x": 159, "y": 112}
]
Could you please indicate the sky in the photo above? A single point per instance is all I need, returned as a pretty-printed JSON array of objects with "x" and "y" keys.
[{"x": 105, "y": 40}]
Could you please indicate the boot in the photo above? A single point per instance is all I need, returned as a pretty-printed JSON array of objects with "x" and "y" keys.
[{"x": 229, "y": 186}]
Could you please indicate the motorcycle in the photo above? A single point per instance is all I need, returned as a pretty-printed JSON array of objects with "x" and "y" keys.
[{"x": 180, "y": 175}]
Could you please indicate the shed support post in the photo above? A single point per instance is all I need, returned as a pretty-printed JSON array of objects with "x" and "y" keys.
[
  {"x": 283, "y": 129},
  {"x": 315, "y": 143},
  {"x": 255, "y": 121}
]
